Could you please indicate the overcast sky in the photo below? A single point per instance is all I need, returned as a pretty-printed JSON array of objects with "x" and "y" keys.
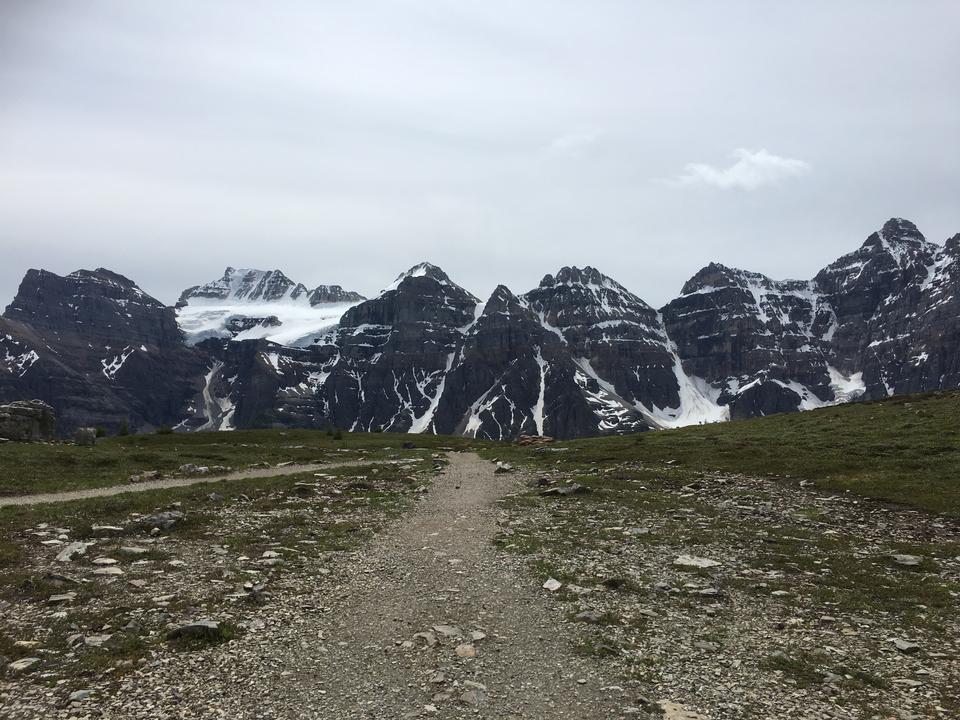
[{"x": 343, "y": 142}]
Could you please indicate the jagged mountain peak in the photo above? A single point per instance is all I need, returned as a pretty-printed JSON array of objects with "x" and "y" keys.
[
  {"x": 423, "y": 269},
  {"x": 502, "y": 300},
  {"x": 587, "y": 276},
  {"x": 901, "y": 240},
  {"x": 244, "y": 285},
  {"x": 716, "y": 275},
  {"x": 413, "y": 279},
  {"x": 251, "y": 286},
  {"x": 587, "y": 286},
  {"x": 898, "y": 229}
]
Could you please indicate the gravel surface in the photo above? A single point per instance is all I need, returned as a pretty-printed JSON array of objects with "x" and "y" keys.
[
  {"x": 427, "y": 619},
  {"x": 171, "y": 483}
]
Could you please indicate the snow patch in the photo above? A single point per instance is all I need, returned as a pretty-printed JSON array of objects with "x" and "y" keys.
[
  {"x": 300, "y": 322},
  {"x": 538, "y": 408},
  {"x": 846, "y": 387}
]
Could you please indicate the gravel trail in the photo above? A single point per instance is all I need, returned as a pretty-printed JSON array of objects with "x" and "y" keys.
[
  {"x": 67, "y": 496},
  {"x": 350, "y": 651}
]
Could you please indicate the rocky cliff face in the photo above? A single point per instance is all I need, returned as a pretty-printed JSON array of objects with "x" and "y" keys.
[
  {"x": 578, "y": 355},
  {"x": 97, "y": 348},
  {"x": 878, "y": 321}
]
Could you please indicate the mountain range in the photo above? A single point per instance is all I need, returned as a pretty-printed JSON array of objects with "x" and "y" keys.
[{"x": 578, "y": 355}]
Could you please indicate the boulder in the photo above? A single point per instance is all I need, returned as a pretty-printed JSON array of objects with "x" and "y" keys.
[
  {"x": 85, "y": 436},
  {"x": 27, "y": 421},
  {"x": 206, "y": 630}
]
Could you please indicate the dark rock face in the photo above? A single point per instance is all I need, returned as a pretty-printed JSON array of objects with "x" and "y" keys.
[
  {"x": 27, "y": 421},
  {"x": 878, "y": 321},
  {"x": 511, "y": 376},
  {"x": 240, "y": 323},
  {"x": 623, "y": 356},
  {"x": 323, "y": 294},
  {"x": 97, "y": 349},
  {"x": 578, "y": 355},
  {"x": 389, "y": 357}
]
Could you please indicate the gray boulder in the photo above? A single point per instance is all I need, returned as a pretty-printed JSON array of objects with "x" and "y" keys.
[
  {"x": 86, "y": 436},
  {"x": 27, "y": 421}
]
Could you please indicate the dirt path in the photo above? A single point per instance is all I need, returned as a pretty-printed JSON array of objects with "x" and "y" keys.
[
  {"x": 67, "y": 496},
  {"x": 350, "y": 651}
]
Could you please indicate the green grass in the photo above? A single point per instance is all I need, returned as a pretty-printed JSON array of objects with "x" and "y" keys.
[
  {"x": 903, "y": 450},
  {"x": 36, "y": 468}
]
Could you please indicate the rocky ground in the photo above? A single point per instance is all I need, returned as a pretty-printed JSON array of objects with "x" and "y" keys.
[
  {"x": 751, "y": 598},
  {"x": 391, "y": 591},
  {"x": 89, "y": 593}
]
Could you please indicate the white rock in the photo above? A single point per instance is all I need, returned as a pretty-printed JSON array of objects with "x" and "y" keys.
[
  {"x": 695, "y": 562},
  {"x": 23, "y": 664},
  {"x": 109, "y": 570},
  {"x": 74, "y": 548},
  {"x": 552, "y": 584}
]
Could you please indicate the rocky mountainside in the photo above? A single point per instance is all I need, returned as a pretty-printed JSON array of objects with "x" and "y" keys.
[
  {"x": 578, "y": 355},
  {"x": 97, "y": 348}
]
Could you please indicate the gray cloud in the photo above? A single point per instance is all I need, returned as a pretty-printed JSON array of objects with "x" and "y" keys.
[{"x": 344, "y": 143}]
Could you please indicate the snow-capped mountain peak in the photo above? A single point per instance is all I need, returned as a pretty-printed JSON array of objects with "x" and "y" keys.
[
  {"x": 419, "y": 270},
  {"x": 248, "y": 304}
]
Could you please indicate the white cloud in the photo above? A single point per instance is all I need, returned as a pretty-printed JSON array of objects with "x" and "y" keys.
[{"x": 753, "y": 169}]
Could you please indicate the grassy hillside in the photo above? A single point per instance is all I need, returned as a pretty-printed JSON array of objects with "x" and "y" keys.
[{"x": 903, "y": 449}]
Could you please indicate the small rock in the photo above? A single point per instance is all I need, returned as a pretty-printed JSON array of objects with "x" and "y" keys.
[
  {"x": 905, "y": 646},
  {"x": 164, "y": 520},
  {"x": 64, "y": 598},
  {"x": 106, "y": 528},
  {"x": 552, "y": 584},
  {"x": 131, "y": 550},
  {"x": 198, "y": 630},
  {"x": 473, "y": 697},
  {"x": 23, "y": 664},
  {"x": 448, "y": 631},
  {"x": 695, "y": 562},
  {"x": 571, "y": 489},
  {"x": 74, "y": 548},
  {"x": 109, "y": 570},
  {"x": 428, "y": 638},
  {"x": 466, "y": 650}
]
